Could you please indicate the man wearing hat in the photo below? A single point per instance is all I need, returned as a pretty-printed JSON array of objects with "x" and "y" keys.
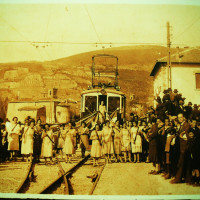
[
  {"x": 175, "y": 97},
  {"x": 171, "y": 103},
  {"x": 188, "y": 110},
  {"x": 196, "y": 113},
  {"x": 180, "y": 108},
  {"x": 166, "y": 96},
  {"x": 160, "y": 108},
  {"x": 183, "y": 138}
]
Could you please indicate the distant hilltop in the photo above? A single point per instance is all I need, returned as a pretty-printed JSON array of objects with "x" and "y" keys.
[{"x": 72, "y": 75}]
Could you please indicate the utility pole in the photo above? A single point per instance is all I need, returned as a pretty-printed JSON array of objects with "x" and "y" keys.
[{"x": 169, "y": 57}]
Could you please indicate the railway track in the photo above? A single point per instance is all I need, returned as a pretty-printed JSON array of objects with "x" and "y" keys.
[
  {"x": 13, "y": 174},
  {"x": 28, "y": 177},
  {"x": 51, "y": 187},
  {"x": 83, "y": 179},
  {"x": 78, "y": 178}
]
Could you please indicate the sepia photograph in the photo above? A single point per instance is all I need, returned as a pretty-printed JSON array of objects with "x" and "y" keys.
[{"x": 100, "y": 99}]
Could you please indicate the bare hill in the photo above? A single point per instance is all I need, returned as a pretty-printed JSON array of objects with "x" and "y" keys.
[{"x": 71, "y": 75}]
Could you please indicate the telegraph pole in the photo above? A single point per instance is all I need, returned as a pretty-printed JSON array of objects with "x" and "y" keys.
[{"x": 169, "y": 56}]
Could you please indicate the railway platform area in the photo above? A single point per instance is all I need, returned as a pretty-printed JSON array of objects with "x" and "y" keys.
[
  {"x": 133, "y": 179},
  {"x": 39, "y": 178},
  {"x": 110, "y": 179},
  {"x": 12, "y": 175}
]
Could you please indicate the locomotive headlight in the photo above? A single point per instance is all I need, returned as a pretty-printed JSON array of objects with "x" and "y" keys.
[
  {"x": 118, "y": 88},
  {"x": 89, "y": 87}
]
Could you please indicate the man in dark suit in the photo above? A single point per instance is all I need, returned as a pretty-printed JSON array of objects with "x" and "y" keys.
[
  {"x": 188, "y": 110},
  {"x": 183, "y": 137},
  {"x": 195, "y": 129},
  {"x": 180, "y": 108},
  {"x": 196, "y": 113}
]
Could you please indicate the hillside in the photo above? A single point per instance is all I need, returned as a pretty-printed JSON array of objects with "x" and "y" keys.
[{"x": 71, "y": 75}]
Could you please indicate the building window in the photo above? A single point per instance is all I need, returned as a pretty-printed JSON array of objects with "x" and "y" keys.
[{"x": 197, "y": 77}]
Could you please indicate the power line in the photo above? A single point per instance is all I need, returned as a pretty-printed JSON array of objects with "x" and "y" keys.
[
  {"x": 15, "y": 30},
  {"x": 188, "y": 27},
  {"x": 25, "y": 41},
  {"x": 92, "y": 23},
  {"x": 45, "y": 36},
  {"x": 81, "y": 43},
  {"x": 95, "y": 30},
  {"x": 90, "y": 43}
]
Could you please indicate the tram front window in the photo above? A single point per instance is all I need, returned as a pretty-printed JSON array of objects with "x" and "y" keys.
[
  {"x": 113, "y": 104},
  {"x": 90, "y": 104}
]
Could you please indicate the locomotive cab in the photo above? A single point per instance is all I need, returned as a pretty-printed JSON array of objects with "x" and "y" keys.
[
  {"x": 112, "y": 99},
  {"x": 104, "y": 88}
]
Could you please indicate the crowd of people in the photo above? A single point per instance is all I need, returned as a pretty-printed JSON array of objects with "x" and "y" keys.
[{"x": 168, "y": 137}]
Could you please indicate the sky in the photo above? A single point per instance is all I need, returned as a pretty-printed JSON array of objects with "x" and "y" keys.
[{"x": 45, "y": 30}]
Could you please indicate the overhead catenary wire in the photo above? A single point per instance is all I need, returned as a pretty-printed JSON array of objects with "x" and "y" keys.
[
  {"x": 92, "y": 23},
  {"x": 26, "y": 40},
  {"x": 187, "y": 28},
  {"x": 89, "y": 43},
  {"x": 15, "y": 29}
]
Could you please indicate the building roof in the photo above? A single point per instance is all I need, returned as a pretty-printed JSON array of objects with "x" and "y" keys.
[
  {"x": 37, "y": 101},
  {"x": 62, "y": 104},
  {"x": 189, "y": 56},
  {"x": 30, "y": 108}
]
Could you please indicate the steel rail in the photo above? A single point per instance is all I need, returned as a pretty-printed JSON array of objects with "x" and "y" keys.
[
  {"x": 97, "y": 180},
  {"x": 30, "y": 171},
  {"x": 69, "y": 172}
]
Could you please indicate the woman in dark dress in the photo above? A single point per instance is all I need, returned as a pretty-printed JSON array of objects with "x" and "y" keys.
[
  {"x": 37, "y": 141},
  {"x": 193, "y": 159},
  {"x": 153, "y": 147}
]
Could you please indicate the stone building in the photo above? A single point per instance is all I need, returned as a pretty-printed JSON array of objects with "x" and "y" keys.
[
  {"x": 49, "y": 111},
  {"x": 185, "y": 75}
]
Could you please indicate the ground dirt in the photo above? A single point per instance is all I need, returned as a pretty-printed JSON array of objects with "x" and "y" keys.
[
  {"x": 9, "y": 182},
  {"x": 133, "y": 179}
]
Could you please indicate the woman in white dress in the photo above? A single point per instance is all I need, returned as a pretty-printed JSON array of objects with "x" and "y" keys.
[
  {"x": 136, "y": 141},
  {"x": 96, "y": 144},
  {"x": 47, "y": 144},
  {"x": 13, "y": 130},
  {"x": 108, "y": 148},
  {"x": 126, "y": 140},
  {"x": 117, "y": 138},
  {"x": 69, "y": 147},
  {"x": 27, "y": 141},
  {"x": 129, "y": 126}
]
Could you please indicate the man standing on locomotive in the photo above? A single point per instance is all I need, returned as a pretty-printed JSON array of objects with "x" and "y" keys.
[{"x": 102, "y": 110}]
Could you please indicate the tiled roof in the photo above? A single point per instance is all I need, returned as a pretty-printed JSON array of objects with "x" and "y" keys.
[{"x": 191, "y": 56}]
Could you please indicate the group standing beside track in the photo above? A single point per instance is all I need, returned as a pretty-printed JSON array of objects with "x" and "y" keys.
[{"x": 168, "y": 136}]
